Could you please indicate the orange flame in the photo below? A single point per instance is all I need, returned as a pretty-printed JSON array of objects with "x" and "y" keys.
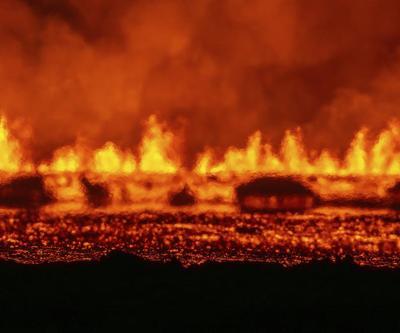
[
  {"x": 110, "y": 159},
  {"x": 11, "y": 159},
  {"x": 153, "y": 156},
  {"x": 156, "y": 151},
  {"x": 65, "y": 159},
  {"x": 382, "y": 158}
]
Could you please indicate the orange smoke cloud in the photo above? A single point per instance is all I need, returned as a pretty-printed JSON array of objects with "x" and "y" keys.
[{"x": 217, "y": 69}]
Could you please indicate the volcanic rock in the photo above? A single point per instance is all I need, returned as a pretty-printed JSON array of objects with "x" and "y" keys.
[
  {"x": 97, "y": 194},
  {"x": 25, "y": 192},
  {"x": 272, "y": 194},
  {"x": 184, "y": 197},
  {"x": 393, "y": 194}
]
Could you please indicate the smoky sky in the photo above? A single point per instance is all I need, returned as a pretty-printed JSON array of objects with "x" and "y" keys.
[{"x": 214, "y": 70}]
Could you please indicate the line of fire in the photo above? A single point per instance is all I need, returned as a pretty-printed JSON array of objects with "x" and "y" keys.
[{"x": 286, "y": 178}]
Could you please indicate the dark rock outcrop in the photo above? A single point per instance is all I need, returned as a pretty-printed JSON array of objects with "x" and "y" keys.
[
  {"x": 393, "y": 194},
  {"x": 97, "y": 194},
  {"x": 272, "y": 194},
  {"x": 25, "y": 192},
  {"x": 184, "y": 197}
]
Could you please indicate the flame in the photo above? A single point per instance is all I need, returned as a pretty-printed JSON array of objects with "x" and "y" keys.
[
  {"x": 356, "y": 159},
  {"x": 364, "y": 156},
  {"x": 66, "y": 159},
  {"x": 154, "y": 157},
  {"x": 11, "y": 159},
  {"x": 382, "y": 158},
  {"x": 155, "y": 148},
  {"x": 110, "y": 159}
]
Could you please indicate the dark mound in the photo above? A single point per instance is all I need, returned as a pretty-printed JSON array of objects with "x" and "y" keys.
[
  {"x": 393, "y": 194},
  {"x": 184, "y": 197},
  {"x": 25, "y": 192},
  {"x": 395, "y": 189},
  {"x": 274, "y": 194},
  {"x": 97, "y": 194},
  {"x": 273, "y": 186}
]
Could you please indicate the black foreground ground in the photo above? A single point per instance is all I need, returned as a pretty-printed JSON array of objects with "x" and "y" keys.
[{"x": 124, "y": 293}]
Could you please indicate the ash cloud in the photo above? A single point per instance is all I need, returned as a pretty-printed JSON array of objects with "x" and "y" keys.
[{"x": 218, "y": 69}]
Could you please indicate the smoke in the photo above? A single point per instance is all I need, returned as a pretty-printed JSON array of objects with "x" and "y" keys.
[{"x": 215, "y": 69}]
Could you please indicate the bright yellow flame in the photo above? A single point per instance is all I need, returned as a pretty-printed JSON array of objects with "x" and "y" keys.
[
  {"x": 242, "y": 160},
  {"x": 110, "y": 159},
  {"x": 271, "y": 161},
  {"x": 326, "y": 164},
  {"x": 357, "y": 156},
  {"x": 11, "y": 156},
  {"x": 155, "y": 149},
  {"x": 204, "y": 162},
  {"x": 380, "y": 157},
  {"x": 258, "y": 158},
  {"x": 293, "y": 154},
  {"x": 66, "y": 159}
]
